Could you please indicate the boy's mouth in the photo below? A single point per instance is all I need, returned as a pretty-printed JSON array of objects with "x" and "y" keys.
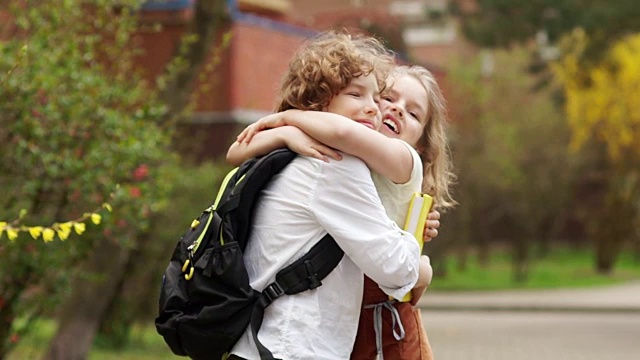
[{"x": 366, "y": 123}]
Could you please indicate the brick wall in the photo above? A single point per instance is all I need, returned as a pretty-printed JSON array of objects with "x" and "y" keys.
[
  {"x": 239, "y": 89},
  {"x": 260, "y": 57},
  {"x": 249, "y": 69},
  {"x": 310, "y": 12}
]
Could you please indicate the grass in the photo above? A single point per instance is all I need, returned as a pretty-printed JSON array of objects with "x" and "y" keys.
[
  {"x": 562, "y": 268},
  {"x": 144, "y": 344}
]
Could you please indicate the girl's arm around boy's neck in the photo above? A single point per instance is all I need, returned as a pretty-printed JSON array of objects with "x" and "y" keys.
[
  {"x": 263, "y": 143},
  {"x": 386, "y": 156},
  {"x": 271, "y": 139}
]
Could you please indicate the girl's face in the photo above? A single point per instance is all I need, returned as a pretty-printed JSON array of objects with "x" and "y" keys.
[
  {"x": 358, "y": 102},
  {"x": 404, "y": 109}
]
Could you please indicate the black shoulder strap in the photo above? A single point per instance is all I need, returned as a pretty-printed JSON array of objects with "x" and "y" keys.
[
  {"x": 304, "y": 274},
  {"x": 239, "y": 199}
]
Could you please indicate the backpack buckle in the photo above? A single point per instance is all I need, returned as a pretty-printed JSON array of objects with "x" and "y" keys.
[
  {"x": 272, "y": 292},
  {"x": 312, "y": 276}
]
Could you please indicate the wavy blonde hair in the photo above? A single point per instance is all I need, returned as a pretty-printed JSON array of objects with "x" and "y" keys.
[
  {"x": 326, "y": 64},
  {"x": 432, "y": 145}
]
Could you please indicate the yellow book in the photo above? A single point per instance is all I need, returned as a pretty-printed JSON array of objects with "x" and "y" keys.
[{"x": 419, "y": 208}]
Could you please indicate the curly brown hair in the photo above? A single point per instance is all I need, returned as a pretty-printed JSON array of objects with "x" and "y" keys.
[{"x": 326, "y": 64}]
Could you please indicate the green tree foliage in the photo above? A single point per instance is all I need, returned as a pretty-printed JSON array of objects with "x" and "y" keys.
[
  {"x": 502, "y": 23},
  {"x": 77, "y": 129},
  {"x": 510, "y": 152},
  {"x": 597, "y": 69},
  {"x": 196, "y": 53},
  {"x": 138, "y": 298}
]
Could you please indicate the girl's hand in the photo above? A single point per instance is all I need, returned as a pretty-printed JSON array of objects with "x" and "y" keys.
[
  {"x": 424, "y": 279},
  {"x": 267, "y": 122},
  {"x": 299, "y": 142},
  {"x": 431, "y": 226},
  {"x": 248, "y": 132}
]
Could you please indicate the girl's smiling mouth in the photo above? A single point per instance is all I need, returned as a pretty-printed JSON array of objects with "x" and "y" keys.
[{"x": 390, "y": 122}]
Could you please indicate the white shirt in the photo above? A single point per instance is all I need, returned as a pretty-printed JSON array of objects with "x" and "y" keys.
[
  {"x": 305, "y": 201},
  {"x": 396, "y": 197}
]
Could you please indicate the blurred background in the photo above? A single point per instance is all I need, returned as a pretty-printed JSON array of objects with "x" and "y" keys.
[{"x": 115, "y": 116}]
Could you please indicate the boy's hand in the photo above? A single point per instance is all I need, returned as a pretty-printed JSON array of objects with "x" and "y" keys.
[
  {"x": 431, "y": 226},
  {"x": 416, "y": 294}
]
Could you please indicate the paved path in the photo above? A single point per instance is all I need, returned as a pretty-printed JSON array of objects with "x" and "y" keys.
[
  {"x": 615, "y": 298},
  {"x": 522, "y": 335},
  {"x": 599, "y": 323}
]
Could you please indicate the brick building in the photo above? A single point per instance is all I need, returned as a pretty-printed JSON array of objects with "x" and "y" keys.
[
  {"x": 243, "y": 84},
  {"x": 430, "y": 34},
  {"x": 264, "y": 35}
]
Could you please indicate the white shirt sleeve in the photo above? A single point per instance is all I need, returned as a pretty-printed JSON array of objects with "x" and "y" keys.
[{"x": 347, "y": 206}]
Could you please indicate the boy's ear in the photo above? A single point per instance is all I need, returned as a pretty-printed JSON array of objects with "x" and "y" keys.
[{"x": 326, "y": 106}]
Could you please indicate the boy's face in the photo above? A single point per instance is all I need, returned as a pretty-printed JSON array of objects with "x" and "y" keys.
[
  {"x": 358, "y": 102},
  {"x": 404, "y": 109}
]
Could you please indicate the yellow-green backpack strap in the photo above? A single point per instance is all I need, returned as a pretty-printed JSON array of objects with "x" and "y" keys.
[{"x": 224, "y": 186}]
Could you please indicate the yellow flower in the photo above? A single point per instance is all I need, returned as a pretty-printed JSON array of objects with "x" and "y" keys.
[
  {"x": 96, "y": 218},
  {"x": 79, "y": 228},
  {"x": 35, "y": 231},
  {"x": 66, "y": 227},
  {"x": 12, "y": 233},
  {"x": 108, "y": 207},
  {"x": 48, "y": 234},
  {"x": 63, "y": 234}
]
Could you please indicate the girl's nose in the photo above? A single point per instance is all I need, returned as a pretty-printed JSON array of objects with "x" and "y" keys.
[{"x": 396, "y": 109}]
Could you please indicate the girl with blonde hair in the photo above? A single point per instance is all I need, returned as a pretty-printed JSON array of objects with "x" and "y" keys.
[{"x": 413, "y": 111}]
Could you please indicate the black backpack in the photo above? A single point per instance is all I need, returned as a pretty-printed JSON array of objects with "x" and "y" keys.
[{"x": 206, "y": 302}]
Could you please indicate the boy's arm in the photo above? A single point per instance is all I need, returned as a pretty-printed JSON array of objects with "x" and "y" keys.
[
  {"x": 286, "y": 136},
  {"x": 386, "y": 156},
  {"x": 353, "y": 214}
]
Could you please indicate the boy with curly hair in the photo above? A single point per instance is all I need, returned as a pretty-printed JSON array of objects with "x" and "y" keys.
[{"x": 340, "y": 74}]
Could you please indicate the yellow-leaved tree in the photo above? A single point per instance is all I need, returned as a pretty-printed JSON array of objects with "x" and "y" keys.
[{"x": 601, "y": 104}]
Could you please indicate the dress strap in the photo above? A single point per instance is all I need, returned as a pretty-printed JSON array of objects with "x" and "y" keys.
[{"x": 398, "y": 329}]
